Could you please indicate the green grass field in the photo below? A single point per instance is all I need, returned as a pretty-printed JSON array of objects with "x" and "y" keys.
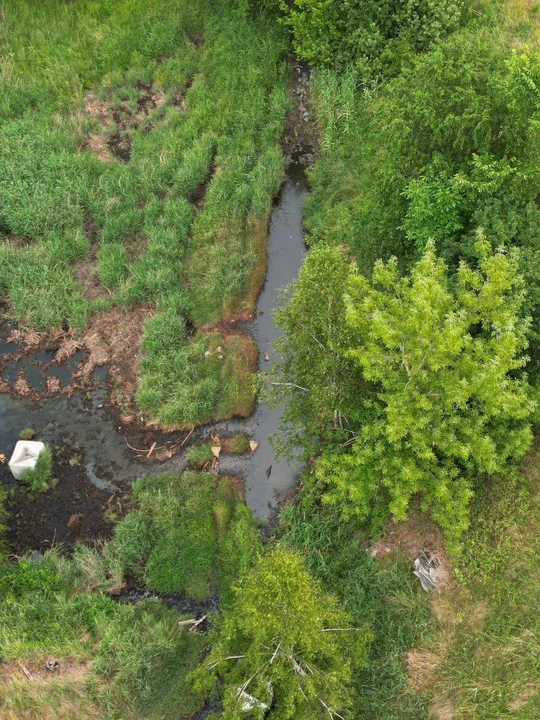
[{"x": 140, "y": 153}]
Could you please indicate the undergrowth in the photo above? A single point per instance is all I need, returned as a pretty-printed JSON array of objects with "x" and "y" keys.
[
  {"x": 140, "y": 153},
  {"x": 384, "y": 595}
]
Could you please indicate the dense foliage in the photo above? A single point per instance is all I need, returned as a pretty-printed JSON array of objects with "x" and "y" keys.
[
  {"x": 448, "y": 147},
  {"x": 442, "y": 407},
  {"x": 372, "y": 36},
  {"x": 284, "y": 646}
]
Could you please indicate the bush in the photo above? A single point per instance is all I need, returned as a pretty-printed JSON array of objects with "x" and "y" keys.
[
  {"x": 441, "y": 404},
  {"x": 374, "y": 36},
  {"x": 281, "y": 626}
]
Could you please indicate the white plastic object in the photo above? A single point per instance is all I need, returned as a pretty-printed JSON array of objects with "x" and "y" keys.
[{"x": 24, "y": 457}]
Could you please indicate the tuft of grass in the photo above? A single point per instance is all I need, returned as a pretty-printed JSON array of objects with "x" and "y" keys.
[
  {"x": 26, "y": 434},
  {"x": 239, "y": 444},
  {"x": 40, "y": 477},
  {"x": 185, "y": 382},
  {"x": 200, "y": 455}
]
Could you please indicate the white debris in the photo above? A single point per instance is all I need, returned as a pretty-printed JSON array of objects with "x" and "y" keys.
[
  {"x": 25, "y": 457},
  {"x": 425, "y": 569},
  {"x": 249, "y": 702}
]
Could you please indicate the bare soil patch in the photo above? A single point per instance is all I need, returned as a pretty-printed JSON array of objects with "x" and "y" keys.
[
  {"x": 45, "y": 671},
  {"x": 117, "y": 121},
  {"x": 112, "y": 341},
  {"x": 86, "y": 270},
  {"x": 39, "y": 521},
  {"x": 59, "y": 693},
  {"x": 421, "y": 668},
  {"x": 412, "y": 537},
  {"x": 113, "y": 338}
]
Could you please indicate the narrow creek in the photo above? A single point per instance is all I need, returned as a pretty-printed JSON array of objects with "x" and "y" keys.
[
  {"x": 266, "y": 477},
  {"x": 82, "y": 423}
]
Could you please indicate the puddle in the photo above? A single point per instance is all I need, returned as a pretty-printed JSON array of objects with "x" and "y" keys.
[
  {"x": 74, "y": 422},
  {"x": 33, "y": 374}
]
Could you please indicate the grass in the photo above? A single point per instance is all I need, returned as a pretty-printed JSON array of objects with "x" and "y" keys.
[
  {"x": 239, "y": 444},
  {"x": 197, "y": 102},
  {"x": 114, "y": 661},
  {"x": 384, "y": 595},
  {"x": 485, "y": 650},
  {"x": 178, "y": 540}
]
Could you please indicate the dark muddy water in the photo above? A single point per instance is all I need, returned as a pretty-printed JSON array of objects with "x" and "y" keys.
[
  {"x": 83, "y": 422},
  {"x": 267, "y": 478}
]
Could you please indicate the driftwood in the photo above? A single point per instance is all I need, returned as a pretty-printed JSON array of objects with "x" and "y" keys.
[{"x": 194, "y": 623}]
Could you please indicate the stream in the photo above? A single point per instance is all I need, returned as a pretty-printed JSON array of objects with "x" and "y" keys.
[{"x": 83, "y": 422}]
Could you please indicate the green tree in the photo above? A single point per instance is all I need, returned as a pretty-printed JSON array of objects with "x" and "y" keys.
[
  {"x": 452, "y": 405},
  {"x": 286, "y": 644},
  {"x": 321, "y": 383},
  {"x": 374, "y": 36}
]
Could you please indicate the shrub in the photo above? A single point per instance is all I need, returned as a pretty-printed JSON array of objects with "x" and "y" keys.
[
  {"x": 40, "y": 478},
  {"x": 278, "y": 643}
]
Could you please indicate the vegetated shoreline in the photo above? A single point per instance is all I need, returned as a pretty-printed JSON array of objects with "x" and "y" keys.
[{"x": 87, "y": 369}]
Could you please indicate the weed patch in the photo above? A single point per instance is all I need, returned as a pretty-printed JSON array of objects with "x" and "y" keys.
[{"x": 179, "y": 538}]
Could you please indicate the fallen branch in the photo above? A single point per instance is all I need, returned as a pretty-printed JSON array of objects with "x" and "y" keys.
[
  {"x": 184, "y": 441},
  {"x": 26, "y": 671},
  {"x": 290, "y": 385},
  {"x": 212, "y": 665}
]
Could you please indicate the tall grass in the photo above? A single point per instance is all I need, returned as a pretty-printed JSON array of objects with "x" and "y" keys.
[
  {"x": 174, "y": 224},
  {"x": 384, "y": 595}
]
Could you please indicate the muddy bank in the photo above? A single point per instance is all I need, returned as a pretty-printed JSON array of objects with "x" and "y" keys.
[{"x": 268, "y": 479}]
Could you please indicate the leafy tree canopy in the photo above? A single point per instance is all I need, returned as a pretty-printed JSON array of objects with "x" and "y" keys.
[{"x": 444, "y": 401}]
